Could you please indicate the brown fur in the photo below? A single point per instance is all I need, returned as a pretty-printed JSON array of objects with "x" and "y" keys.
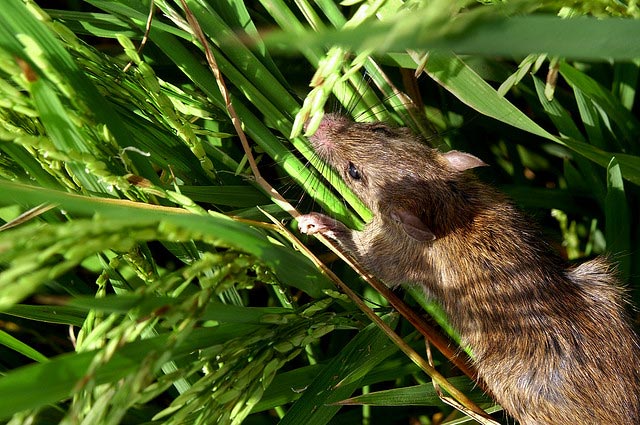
[{"x": 552, "y": 343}]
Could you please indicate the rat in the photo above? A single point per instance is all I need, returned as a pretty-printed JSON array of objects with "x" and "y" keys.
[{"x": 552, "y": 342}]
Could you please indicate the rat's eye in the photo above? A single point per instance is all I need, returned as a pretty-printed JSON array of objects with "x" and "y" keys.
[{"x": 353, "y": 172}]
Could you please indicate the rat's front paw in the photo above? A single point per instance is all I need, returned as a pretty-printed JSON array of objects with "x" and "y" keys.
[{"x": 312, "y": 223}]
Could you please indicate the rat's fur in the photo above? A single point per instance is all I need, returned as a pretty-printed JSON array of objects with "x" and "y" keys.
[{"x": 552, "y": 343}]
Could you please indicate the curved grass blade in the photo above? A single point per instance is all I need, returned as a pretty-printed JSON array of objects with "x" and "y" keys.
[
  {"x": 291, "y": 267},
  {"x": 22, "y": 348},
  {"x": 64, "y": 315},
  {"x": 417, "y": 395},
  {"x": 482, "y": 31}
]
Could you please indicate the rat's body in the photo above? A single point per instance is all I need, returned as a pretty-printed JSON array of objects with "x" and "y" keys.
[{"x": 552, "y": 343}]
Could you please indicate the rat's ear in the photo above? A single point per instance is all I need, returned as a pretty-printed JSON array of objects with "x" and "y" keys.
[
  {"x": 413, "y": 226},
  {"x": 461, "y": 161}
]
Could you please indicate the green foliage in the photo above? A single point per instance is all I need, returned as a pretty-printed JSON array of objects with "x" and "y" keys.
[{"x": 150, "y": 286}]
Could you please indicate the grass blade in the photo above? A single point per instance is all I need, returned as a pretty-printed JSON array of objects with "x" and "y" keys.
[{"x": 22, "y": 348}]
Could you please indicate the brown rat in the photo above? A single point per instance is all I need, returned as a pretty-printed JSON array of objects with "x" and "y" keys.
[{"x": 551, "y": 342}]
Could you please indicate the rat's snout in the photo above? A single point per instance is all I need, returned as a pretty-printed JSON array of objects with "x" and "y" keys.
[
  {"x": 329, "y": 128},
  {"x": 326, "y": 141},
  {"x": 333, "y": 122}
]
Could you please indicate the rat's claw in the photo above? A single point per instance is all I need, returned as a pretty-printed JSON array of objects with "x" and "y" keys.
[{"x": 310, "y": 224}]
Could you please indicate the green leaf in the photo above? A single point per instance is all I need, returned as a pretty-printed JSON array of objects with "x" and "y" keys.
[
  {"x": 417, "y": 395},
  {"x": 625, "y": 81},
  {"x": 617, "y": 219},
  {"x": 481, "y": 32},
  {"x": 64, "y": 315},
  {"x": 22, "y": 348},
  {"x": 234, "y": 196},
  {"x": 23, "y": 388},
  {"x": 145, "y": 305},
  {"x": 559, "y": 115},
  {"x": 612, "y": 109},
  {"x": 340, "y": 377}
]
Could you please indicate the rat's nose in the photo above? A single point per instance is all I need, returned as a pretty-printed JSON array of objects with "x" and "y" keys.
[{"x": 330, "y": 123}]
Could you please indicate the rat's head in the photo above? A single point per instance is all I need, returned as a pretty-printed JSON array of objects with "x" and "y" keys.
[
  {"x": 390, "y": 168},
  {"x": 369, "y": 155}
]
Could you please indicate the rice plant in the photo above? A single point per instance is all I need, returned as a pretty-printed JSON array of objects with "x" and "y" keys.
[{"x": 152, "y": 162}]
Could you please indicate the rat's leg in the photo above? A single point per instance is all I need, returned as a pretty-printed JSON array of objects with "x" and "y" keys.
[
  {"x": 312, "y": 223},
  {"x": 355, "y": 243}
]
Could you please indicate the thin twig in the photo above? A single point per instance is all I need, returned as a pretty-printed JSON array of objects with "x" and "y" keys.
[
  {"x": 27, "y": 215},
  {"x": 213, "y": 65},
  {"x": 145, "y": 37}
]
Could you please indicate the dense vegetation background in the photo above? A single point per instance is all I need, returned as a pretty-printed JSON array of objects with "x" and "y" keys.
[{"x": 144, "y": 273}]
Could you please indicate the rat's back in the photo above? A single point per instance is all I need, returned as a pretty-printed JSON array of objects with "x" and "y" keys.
[{"x": 571, "y": 361}]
